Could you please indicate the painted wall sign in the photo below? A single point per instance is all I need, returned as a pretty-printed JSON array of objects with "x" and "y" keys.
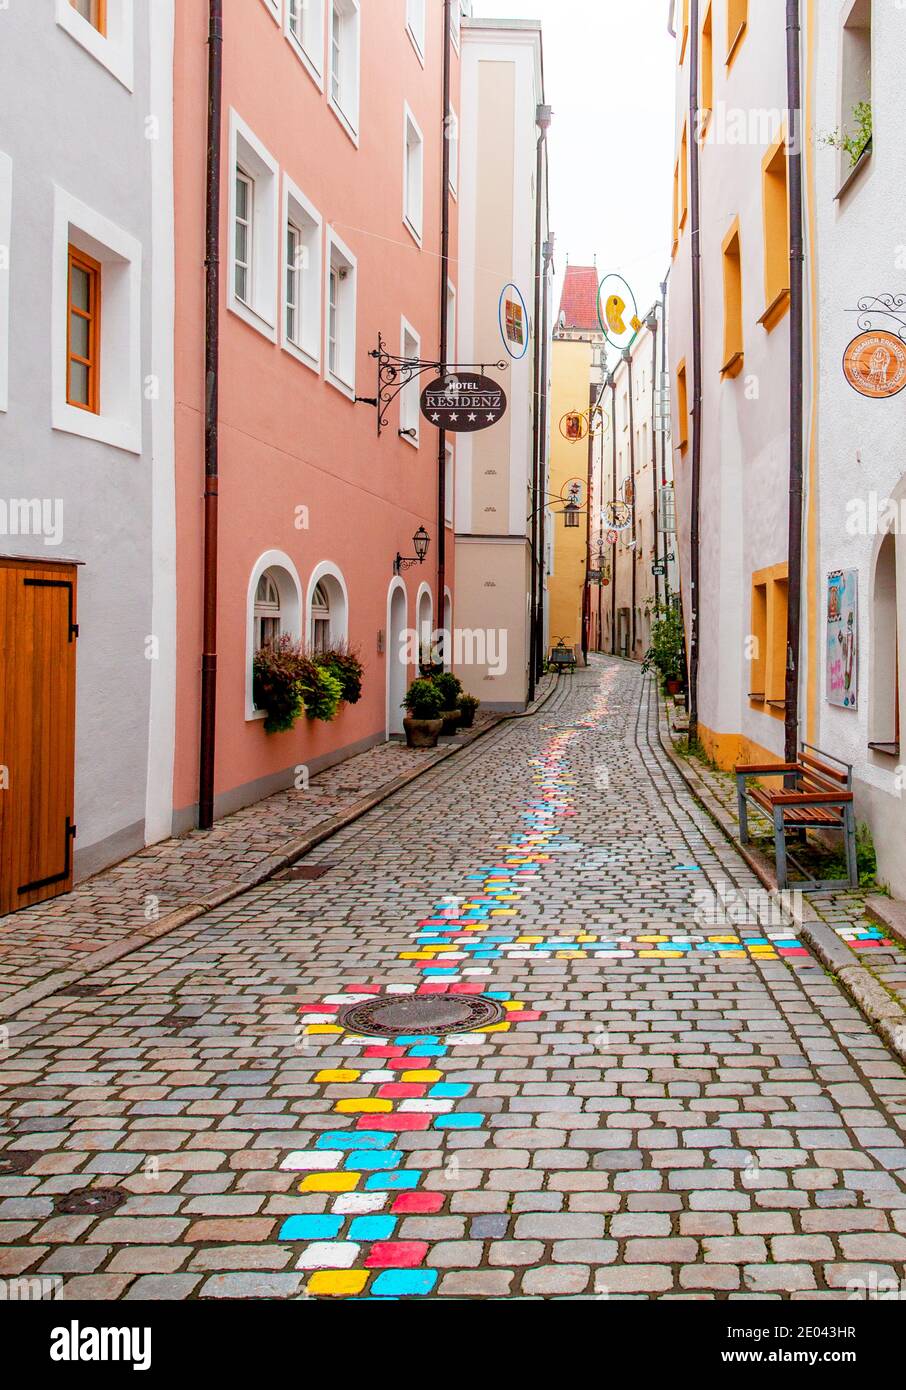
[
  {"x": 874, "y": 364},
  {"x": 842, "y": 638},
  {"x": 618, "y": 312},
  {"x": 463, "y": 402},
  {"x": 513, "y": 317}
]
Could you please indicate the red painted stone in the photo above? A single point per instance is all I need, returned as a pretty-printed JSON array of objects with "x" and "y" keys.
[
  {"x": 423, "y": 1203},
  {"x": 401, "y": 1090},
  {"x": 396, "y": 1254}
]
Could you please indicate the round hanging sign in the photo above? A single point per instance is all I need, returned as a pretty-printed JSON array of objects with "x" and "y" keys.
[
  {"x": 513, "y": 318},
  {"x": 574, "y": 426},
  {"x": 618, "y": 312},
  {"x": 463, "y": 402},
  {"x": 874, "y": 364}
]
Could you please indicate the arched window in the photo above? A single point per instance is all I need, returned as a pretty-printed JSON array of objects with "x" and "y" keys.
[
  {"x": 267, "y": 611},
  {"x": 320, "y": 619},
  {"x": 884, "y": 719}
]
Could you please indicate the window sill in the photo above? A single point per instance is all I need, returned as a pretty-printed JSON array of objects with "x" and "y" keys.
[
  {"x": 340, "y": 385},
  {"x": 407, "y": 439},
  {"x": 273, "y": 10},
  {"x": 855, "y": 173},
  {"x": 255, "y": 716},
  {"x": 308, "y": 63},
  {"x": 308, "y": 359},
  {"x": 733, "y": 365},
  {"x": 116, "y": 57},
  {"x": 253, "y": 319},
  {"x": 735, "y": 45},
  {"x": 704, "y": 122},
  {"x": 889, "y": 750},
  {"x": 419, "y": 50},
  {"x": 104, "y": 429},
  {"x": 416, "y": 236},
  {"x": 344, "y": 120},
  {"x": 775, "y": 311}
]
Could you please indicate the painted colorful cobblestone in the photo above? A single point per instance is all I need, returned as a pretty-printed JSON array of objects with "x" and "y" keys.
[{"x": 352, "y": 1250}]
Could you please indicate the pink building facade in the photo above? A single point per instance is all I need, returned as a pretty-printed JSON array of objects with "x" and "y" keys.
[{"x": 330, "y": 227}]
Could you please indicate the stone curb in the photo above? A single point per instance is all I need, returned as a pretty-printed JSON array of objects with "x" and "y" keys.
[
  {"x": 295, "y": 850},
  {"x": 885, "y": 1013}
]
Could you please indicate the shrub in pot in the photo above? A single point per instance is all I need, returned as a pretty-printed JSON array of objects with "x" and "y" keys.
[
  {"x": 666, "y": 653},
  {"x": 279, "y": 671},
  {"x": 321, "y": 691},
  {"x": 450, "y": 689},
  {"x": 468, "y": 704},
  {"x": 423, "y": 724},
  {"x": 344, "y": 663}
]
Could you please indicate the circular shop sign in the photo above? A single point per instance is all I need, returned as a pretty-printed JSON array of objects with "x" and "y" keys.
[
  {"x": 874, "y": 364},
  {"x": 513, "y": 318},
  {"x": 618, "y": 312},
  {"x": 463, "y": 402}
]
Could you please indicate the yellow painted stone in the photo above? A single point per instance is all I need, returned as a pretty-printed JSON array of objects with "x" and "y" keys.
[
  {"x": 503, "y": 912},
  {"x": 329, "y": 1182},
  {"x": 495, "y": 1028},
  {"x": 415, "y": 955},
  {"x": 649, "y": 955},
  {"x": 338, "y": 1282},
  {"x": 421, "y": 1075},
  {"x": 528, "y": 940},
  {"x": 509, "y": 1004},
  {"x": 729, "y": 940},
  {"x": 584, "y": 937},
  {"x": 327, "y": 1076},
  {"x": 363, "y": 1107},
  {"x": 323, "y": 1028},
  {"x": 571, "y": 955}
]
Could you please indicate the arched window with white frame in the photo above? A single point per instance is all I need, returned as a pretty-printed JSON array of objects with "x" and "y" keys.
[
  {"x": 328, "y": 608},
  {"x": 320, "y": 619},
  {"x": 267, "y": 611},
  {"x": 274, "y": 609}
]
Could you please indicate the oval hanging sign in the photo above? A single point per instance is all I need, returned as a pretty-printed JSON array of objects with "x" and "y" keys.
[
  {"x": 513, "y": 318},
  {"x": 618, "y": 312},
  {"x": 463, "y": 402}
]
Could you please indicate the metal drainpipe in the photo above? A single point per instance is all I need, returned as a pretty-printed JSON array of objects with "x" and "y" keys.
[
  {"x": 536, "y": 407},
  {"x": 440, "y": 613},
  {"x": 651, "y": 325},
  {"x": 208, "y": 730},
  {"x": 794, "y": 578},
  {"x": 542, "y": 433},
  {"x": 634, "y": 554},
  {"x": 695, "y": 241},
  {"x": 612, "y": 383},
  {"x": 664, "y": 431},
  {"x": 586, "y": 591}
]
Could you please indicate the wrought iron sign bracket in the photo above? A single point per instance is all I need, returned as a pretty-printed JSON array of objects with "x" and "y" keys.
[{"x": 395, "y": 373}]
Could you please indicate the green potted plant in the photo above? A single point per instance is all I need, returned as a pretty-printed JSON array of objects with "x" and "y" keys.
[
  {"x": 344, "y": 663},
  {"x": 279, "y": 670},
  {"x": 449, "y": 688},
  {"x": 468, "y": 704},
  {"x": 423, "y": 724},
  {"x": 665, "y": 654}
]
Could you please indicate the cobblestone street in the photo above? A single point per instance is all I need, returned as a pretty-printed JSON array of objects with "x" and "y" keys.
[{"x": 669, "y": 1108}]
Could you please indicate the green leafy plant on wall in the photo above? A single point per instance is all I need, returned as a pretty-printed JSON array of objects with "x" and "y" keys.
[
  {"x": 665, "y": 654},
  {"x": 289, "y": 682},
  {"x": 853, "y": 145}
]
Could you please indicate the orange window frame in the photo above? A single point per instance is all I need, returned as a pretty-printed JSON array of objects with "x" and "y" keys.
[
  {"x": 101, "y": 10},
  {"x": 93, "y": 314}
]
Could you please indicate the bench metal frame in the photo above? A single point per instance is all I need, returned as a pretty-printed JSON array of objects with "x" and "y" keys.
[{"x": 791, "y": 799}]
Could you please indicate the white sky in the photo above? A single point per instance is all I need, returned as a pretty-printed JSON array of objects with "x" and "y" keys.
[{"x": 610, "y": 74}]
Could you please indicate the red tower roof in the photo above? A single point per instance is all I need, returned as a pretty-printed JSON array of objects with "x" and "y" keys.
[{"x": 579, "y": 300}]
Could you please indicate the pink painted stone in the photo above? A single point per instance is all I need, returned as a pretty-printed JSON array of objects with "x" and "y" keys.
[{"x": 396, "y": 1254}]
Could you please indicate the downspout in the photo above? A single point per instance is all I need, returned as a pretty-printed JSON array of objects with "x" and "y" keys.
[
  {"x": 663, "y": 431},
  {"x": 586, "y": 590},
  {"x": 542, "y": 440},
  {"x": 440, "y": 611},
  {"x": 634, "y": 553},
  {"x": 794, "y": 573},
  {"x": 695, "y": 236},
  {"x": 543, "y": 120},
  {"x": 212, "y": 359},
  {"x": 651, "y": 325},
  {"x": 612, "y": 383}
]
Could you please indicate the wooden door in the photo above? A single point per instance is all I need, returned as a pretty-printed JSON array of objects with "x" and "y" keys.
[{"x": 38, "y": 634}]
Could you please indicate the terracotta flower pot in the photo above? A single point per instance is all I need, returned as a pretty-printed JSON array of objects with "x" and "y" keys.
[
  {"x": 673, "y": 685},
  {"x": 422, "y": 733},
  {"x": 452, "y": 719},
  {"x": 466, "y": 716}
]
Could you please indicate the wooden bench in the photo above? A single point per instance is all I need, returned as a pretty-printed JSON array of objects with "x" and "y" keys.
[
  {"x": 814, "y": 796},
  {"x": 563, "y": 658}
]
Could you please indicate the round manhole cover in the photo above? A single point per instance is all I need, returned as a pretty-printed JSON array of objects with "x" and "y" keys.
[
  {"x": 18, "y": 1160},
  {"x": 433, "y": 1014},
  {"x": 91, "y": 1202}
]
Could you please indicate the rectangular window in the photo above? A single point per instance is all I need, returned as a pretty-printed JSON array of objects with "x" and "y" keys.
[
  {"x": 95, "y": 11},
  {"x": 682, "y": 408},
  {"x": 684, "y": 177},
  {"x": 415, "y": 23},
  {"x": 301, "y": 276},
  {"x": 776, "y": 208},
  {"x": 255, "y": 247},
  {"x": 855, "y": 125},
  {"x": 340, "y": 327},
  {"x": 83, "y": 332},
  {"x": 759, "y": 641},
  {"x": 767, "y": 665},
  {"x": 305, "y": 31},
  {"x": 410, "y": 396},
  {"x": 707, "y": 71},
  {"x": 453, "y": 137},
  {"x": 344, "y": 63},
  {"x": 413, "y": 175},
  {"x": 449, "y": 484},
  {"x": 737, "y": 20},
  {"x": 244, "y": 232},
  {"x": 733, "y": 322}
]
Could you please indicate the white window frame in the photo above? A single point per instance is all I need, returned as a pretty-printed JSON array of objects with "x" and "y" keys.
[
  {"x": 119, "y": 421},
  {"x": 452, "y": 133},
  {"x": 345, "y": 106},
  {"x": 6, "y": 207},
  {"x": 273, "y": 9},
  {"x": 338, "y": 595},
  {"x": 303, "y": 214},
  {"x": 451, "y": 324},
  {"x": 410, "y": 395},
  {"x": 416, "y": 26},
  {"x": 113, "y": 49},
  {"x": 456, "y": 24},
  {"x": 289, "y": 584},
  {"x": 309, "y": 46},
  {"x": 449, "y": 485},
  {"x": 338, "y": 255},
  {"x": 249, "y": 154},
  {"x": 413, "y": 217}
]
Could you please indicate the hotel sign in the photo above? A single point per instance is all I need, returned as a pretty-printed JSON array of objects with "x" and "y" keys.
[{"x": 463, "y": 402}]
